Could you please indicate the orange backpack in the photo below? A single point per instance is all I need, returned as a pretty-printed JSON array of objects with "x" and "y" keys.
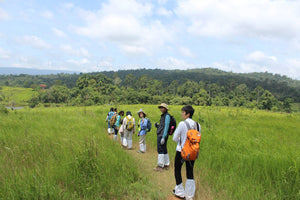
[{"x": 190, "y": 150}]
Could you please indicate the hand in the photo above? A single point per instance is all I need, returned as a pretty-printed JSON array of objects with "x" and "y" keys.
[{"x": 162, "y": 141}]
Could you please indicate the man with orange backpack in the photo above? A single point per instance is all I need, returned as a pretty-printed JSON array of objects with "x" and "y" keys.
[{"x": 184, "y": 138}]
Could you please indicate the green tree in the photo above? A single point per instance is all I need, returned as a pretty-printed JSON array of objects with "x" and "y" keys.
[
  {"x": 267, "y": 100},
  {"x": 287, "y": 105},
  {"x": 130, "y": 81}
]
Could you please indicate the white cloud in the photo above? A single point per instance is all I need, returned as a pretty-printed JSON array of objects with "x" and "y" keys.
[
  {"x": 186, "y": 52},
  {"x": 261, "y": 58},
  {"x": 292, "y": 68},
  {"x": 289, "y": 67},
  {"x": 127, "y": 25},
  {"x": 254, "y": 18},
  {"x": 78, "y": 62},
  {"x": 164, "y": 12},
  {"x": 28, "y": 62},
  {"x": 58, "y": 33},
  {"x": 173, "y": 63},
  {"x": 68, "y": 49},
  {"x": 47, "y": 14},
  {"x": 162, "y": 1},
  {"x": 68, "y": 5},
  {"x": 3, "y": 15},
  {"x": 34, "y": 42},
  {"x": 4, "y": 54},
  {"x": 134, "y": 50}
]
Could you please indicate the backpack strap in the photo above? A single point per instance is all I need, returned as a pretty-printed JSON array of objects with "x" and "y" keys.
[
  {"x": 187, "y": 125},
  {"x": 197, "y": 125}
]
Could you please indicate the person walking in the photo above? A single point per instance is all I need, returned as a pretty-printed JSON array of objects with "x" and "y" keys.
[
  {"x": 142, "y": 128},
  {"x": 179, "y": 137},
  {"x": 108, "y": 117},
  {"x": 129, "y": 130},
  {"x": 163, "y": 160},
  {"x": 117, "y": 124}
]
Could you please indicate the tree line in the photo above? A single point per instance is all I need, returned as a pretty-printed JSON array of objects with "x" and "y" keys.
[
  {"x": 98, "y": 88},
  {"x": 281, "y": 87}
]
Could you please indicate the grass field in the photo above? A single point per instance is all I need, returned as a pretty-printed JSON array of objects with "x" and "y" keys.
[
  {"x": 64, "y": 153},
  {"x": 15, "y": 96}
]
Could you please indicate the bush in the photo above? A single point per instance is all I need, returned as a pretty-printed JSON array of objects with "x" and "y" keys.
[{"x": 3, "y": 110}]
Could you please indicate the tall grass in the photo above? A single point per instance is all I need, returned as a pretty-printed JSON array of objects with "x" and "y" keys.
[
  {"x": 250, "y": 154},
  {"x": 63, "y": 153}
]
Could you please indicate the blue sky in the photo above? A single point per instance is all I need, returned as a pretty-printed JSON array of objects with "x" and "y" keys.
[{"x": 100, "y": 35}]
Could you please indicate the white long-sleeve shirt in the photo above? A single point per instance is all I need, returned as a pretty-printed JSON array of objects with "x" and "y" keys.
[
  {"x": 181, "y": 131},
  {"x": 125, "y": 122}
]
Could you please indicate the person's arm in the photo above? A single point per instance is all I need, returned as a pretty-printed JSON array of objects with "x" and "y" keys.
[
  {"x": 167, "y": 124},
  {"x": 144, "y": 124},
  {"x": 176, "y": 135},
  {"x": 124, "y": 123}
]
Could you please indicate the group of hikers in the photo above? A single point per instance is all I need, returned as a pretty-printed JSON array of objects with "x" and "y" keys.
[{"x": 187, "y": 135}]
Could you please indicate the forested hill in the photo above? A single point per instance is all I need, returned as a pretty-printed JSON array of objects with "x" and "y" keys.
[{"x": 281, "y": 87}]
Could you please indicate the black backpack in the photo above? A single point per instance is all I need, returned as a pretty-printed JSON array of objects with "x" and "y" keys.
[{"x": 172, "y": 126}]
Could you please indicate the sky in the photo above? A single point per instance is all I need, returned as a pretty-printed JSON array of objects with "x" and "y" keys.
[{"x": 240, "y": 36}]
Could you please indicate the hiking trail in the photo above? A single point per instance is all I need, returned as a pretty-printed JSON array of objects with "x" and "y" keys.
[{"x": 165, "y": 180}]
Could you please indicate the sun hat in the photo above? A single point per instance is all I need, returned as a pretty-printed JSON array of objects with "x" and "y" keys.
[
  {"x": 128, "y": 113},
  {"x": 163, "y": 105},
  {"x": 141, "y": 111}
]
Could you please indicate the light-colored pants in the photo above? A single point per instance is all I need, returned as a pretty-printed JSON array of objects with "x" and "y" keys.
[
  {"x": 128, "y": 135},
  {"x": 143, "y": 143}
]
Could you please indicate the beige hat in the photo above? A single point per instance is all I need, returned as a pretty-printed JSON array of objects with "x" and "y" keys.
[
  {"x": 141, "y": 111},
  {"x": 163, "y": 105}
]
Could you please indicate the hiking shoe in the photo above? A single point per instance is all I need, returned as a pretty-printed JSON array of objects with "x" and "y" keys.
[
  {"x": 166, "y": 167},
  {"x": 158, "y": 169},
  {"x": 179, "y": 197}
]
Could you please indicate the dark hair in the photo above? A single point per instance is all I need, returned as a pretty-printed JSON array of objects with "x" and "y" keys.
[
  {"x": 128, "y": 113},
  {"x": 143, "y": 114},
  {"x": 188, "y": 110},
  {"x": 111, "y": 109},
  {"x": 121, "y": 112},
  {"x": 116, "y": 109}
]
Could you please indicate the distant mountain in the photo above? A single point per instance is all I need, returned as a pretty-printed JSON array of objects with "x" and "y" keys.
[{"x": 30, "y": 71}]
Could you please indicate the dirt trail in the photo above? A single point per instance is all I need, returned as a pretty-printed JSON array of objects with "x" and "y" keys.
[{"x": 164, "y": 180}]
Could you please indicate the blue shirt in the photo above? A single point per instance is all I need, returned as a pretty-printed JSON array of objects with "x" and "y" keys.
[{"x": 143, "y": 126}]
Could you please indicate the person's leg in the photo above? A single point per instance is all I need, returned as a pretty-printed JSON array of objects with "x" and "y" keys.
[
  {"x": 160, "y": 157},
  {"x": 177, "y": 168},
  {"x": 125, "y": 138},
  {"x": 116, "y": 133},
  {"x": 190, "y": 185},
  {"x": 179, "y": 189},
  {"x": 108, "y": 128},
  {"x": 122, "y": 137},
  {"x": 129, "y": 141},
  {"x": 142, "y": 143},
  {"x": 166, "y": 155}
]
